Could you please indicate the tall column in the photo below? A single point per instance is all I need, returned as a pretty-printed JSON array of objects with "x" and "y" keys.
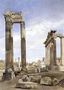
[
  {"x": 8, "y": 44},
  {"x": 55, "y": 63},
  {"x": 62, "y": 50},
  {"x": 12, "y": 53},
  {"x": 7, "y": 75},
  {"x": 53, "y": 54},
  {"x": 23, "y": 45}
]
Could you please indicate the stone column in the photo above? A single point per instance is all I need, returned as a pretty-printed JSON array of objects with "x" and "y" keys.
[
  {"x": 7, "y": 75},
  {"x": 23, "y": 45},
  {"x": 53, "y": 54},
  {"x": 62, "y": 50},
  {"x": 47, "y": 62},
  {"x": 54, "y": 51},
  {"x": 8, "y": 45},
  {"x": 45, "y": 55},
  {"x": 12, "y": 53}
]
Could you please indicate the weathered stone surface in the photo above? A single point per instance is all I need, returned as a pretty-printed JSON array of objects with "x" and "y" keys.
[
  {"x": 10, "y": 19},
  {"x": 9, "y": 74},
  {"x": 36, "y": 79},
  {"x": 61, "y": 83},
  {"x": 62, "y": 51},
  {"x": 46, "y": 81},
  {"x": 26, "y": 85},
  {"x": 26, "y": 78},
  {"x": 55, "y": 81}
]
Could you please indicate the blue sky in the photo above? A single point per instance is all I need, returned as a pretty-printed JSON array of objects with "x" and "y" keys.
[{"x": 40, "y": 17}]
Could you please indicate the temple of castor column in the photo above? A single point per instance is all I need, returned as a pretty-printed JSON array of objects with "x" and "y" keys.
[
  {"x": 50, "y": 51},
  {"x": 10, "y": 19}
]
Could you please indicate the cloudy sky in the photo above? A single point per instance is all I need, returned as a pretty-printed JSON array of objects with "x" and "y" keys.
[{"x": 40, "y": 17}]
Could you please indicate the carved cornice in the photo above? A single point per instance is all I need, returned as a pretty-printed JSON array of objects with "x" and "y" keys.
[
  {"x": 50, "y": 37},
  {"x": 13, "y": 17}
]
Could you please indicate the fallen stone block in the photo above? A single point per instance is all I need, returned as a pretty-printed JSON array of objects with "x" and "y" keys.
[
  {"x": 26, "y": 85},
  {"x": 55, "y": 81},
  {"x": 46, "y": 81},
  {"x": 35, "y": 79}
]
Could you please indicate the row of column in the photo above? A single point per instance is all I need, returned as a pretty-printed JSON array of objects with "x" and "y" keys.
[
  {"x": 51, "y": 54},
  {"x": 9, "y": 45}
]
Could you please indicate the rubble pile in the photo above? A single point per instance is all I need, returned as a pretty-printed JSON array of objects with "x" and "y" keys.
[{"x": 25, "y": 83}]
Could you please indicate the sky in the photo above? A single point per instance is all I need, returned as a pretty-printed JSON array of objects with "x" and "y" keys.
[{"x": 40, "y": 17}]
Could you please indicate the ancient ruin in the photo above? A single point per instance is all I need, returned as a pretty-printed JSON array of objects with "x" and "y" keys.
[
  {"x": 50, "y": 46},
  {"x": 10, "y": 19}
]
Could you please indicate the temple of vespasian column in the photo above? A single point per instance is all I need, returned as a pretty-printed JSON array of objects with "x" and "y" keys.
[
  {"x": 10, "y": 19},
  {"x": 50, "y": 50}
]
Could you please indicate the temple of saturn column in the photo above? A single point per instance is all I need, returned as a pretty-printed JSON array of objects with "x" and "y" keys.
[
  {"x": 10, "y": 19},
  {"x": 50, "y": 49}
]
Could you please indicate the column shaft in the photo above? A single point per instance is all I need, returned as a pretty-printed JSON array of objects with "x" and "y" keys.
[
  {"x": 12, "y": 53},
  {"x": 53, "y": 54},
  {"x": 23, "y": 46},
  {"x": 62, "y": 50},
  {"x": 8, "y": 45}
]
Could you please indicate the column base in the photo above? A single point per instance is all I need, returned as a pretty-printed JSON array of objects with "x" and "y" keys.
[{"x": 7, "y": 75}]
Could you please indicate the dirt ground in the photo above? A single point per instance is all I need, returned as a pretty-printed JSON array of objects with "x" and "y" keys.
[{"x": 9, "y": 86}]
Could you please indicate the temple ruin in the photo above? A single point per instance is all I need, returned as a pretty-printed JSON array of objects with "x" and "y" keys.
[
  {"x": 10, "y": 19},
  {"x": 50, "y": 49}
]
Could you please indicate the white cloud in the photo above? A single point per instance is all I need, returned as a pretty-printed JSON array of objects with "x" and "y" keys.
[
  {"x": 37, "y": 34},
  {"x": 35, "y": 37}
]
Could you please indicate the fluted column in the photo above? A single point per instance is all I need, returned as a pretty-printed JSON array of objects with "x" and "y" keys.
[{"x": 23, "y": 45}]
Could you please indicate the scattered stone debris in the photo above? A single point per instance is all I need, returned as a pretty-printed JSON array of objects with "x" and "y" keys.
[
  {"x": 36, "y": 79},
  {"x": 61, "y": 83},
  {"x": 26, "y": 85},
  {"x": 55, "y": 81},
  {"x": 45, "y": 81},
  {"x": 26, "y": 78}
]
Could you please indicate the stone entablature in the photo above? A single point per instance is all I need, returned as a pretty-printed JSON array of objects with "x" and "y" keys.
[
  {"x": 13, "y": 17},
  {"x": 50, "y": 37}
]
